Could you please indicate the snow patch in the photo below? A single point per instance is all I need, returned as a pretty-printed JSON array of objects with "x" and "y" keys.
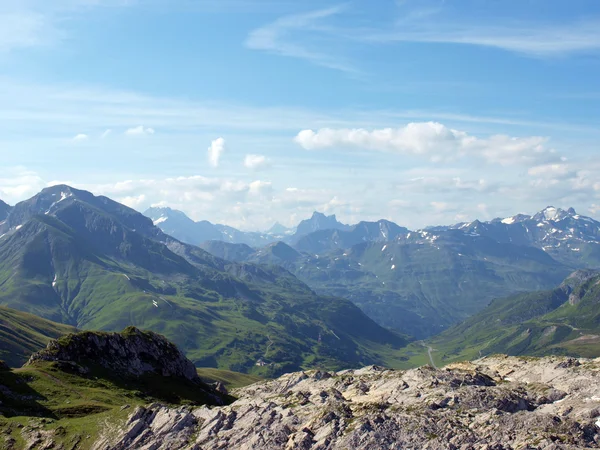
[
  {"x": 18, "y": 227},
  {"x": 384, "y": 247},
  {"x": 508, "y": 220},
  {"x": 160, "y": 220},
  {"x": 393, "y": 266}
]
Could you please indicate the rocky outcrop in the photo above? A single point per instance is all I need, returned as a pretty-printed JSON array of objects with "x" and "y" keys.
[
  {"x": 493, "y": 403},
  {"x": 132, "y": 353}
]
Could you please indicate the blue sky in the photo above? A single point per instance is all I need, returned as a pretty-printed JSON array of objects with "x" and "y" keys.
[{"x": 247, "y": 112}]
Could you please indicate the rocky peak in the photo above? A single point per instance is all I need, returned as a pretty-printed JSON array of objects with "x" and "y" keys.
[
  {"x": 319, "y": 221},
  {"x": 553, "y": 214},
  {"x": 133, "y": 353}
]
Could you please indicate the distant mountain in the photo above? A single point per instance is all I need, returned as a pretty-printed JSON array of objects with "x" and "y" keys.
[
  {"x": 4, "y": 210},
  {"x": 564, "y": 321},
  {"x": 23, "y": 334},
  {"x": 567, "y": 236},
  {"x": 422, "y": 283},
  {"x": 71, "y": 257},
  {"x": 330, "y": 239},
  {"x": 177, "y": 224},
  {"x": 318, "y": 222},
  {"x": 279, "y": 230},
  {"x": 228, "y": 251}
]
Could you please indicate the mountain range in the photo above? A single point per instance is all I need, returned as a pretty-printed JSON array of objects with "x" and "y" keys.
[
  {"x": 92, "y": 263},
  {"x": 88, "y": 262},
  {"x": 422, "y": 282},
  {"x": 177, "y": 224}
]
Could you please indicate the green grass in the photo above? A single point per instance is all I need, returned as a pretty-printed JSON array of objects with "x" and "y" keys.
[
  {"x": 22, "y": 334},
  {"x": 231, "y": 380},
  {"x": 432, "y": 286},
  {"x": 50, "y": 398},
  {"x": 537, "y": 324},
  {"x": 80, "y": 271}
]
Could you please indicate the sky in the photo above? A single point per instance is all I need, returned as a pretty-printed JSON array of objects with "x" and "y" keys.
[{"x": 248, "y": 112}]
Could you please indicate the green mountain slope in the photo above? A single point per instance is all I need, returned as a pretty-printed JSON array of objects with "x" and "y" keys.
[
  {"x": 76, "y": 387},
  {"x": 22, "y": 334},
  {"x": 420, "y": 284},
  {"x": 563, "y": 321},
  {"x": 89, "y": 262}
]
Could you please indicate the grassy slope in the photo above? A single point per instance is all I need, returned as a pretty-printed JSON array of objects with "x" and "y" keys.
[
  {"x": 22, "y": 334},
  {"x": 423, "y": 289},
  {"x": 44, "y": 397},
  {"x": 537, "y": 324},
  {"x": 216, "y": 318},
  {"x": 230, "y": 379}
]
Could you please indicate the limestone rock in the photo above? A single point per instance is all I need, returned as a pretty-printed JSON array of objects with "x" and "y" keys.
[{"x": 495, "y": 403}]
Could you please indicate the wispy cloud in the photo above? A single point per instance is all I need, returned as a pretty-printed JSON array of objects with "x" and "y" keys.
[
  {"x": 140, "y": 131},
  {"x": 530, "y": 39},
  {"x": 25, "y": 29},
  {"x": 256, "y": 162},
  {"x": 281, "y": 37}
]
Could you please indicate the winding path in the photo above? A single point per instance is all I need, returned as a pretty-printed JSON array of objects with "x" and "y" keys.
[{"x": 429, "y": 350}]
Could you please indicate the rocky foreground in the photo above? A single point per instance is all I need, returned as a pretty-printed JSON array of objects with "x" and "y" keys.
[{"x": 493, "y": 403}]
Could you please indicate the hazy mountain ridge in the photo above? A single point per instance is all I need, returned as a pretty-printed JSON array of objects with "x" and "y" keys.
[
  {"x": 424, "y": 281},
  {"x": 177, "y": 224},
  {"x": 88, "y": 261}
]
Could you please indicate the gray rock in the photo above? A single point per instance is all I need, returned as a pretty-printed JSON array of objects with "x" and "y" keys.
[{"x": 496, "y": 403}]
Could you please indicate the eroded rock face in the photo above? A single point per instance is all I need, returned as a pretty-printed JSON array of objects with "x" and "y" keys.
[
  {"x": 133, "y": 352},
  {"x": 493, "y": 403}
]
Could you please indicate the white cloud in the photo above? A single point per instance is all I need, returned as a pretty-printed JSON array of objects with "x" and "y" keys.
[
  {"x": 432, "y": 140},
  {"x": 256, "y": 162},
  {"x": 140, "y": 131},
  {"x": 216, "y": 149},
  {"x": 81, "y": 137},
  {"x": 557, "y": 170},
  {"x": 259, "y": 187},
  {"x": 133, "y": 201},
  {"x": 18, "y": 183}
]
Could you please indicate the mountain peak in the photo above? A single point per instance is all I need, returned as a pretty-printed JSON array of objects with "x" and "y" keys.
[
  {"x": 554, "y": 214},
  {"x": 319, "y": 221},
  {"x": 277, "y": 228},
  {"x": 320, "y": 215}
]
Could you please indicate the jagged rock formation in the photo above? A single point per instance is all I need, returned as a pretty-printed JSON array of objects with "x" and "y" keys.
[
  {"x": 493, "y": 403},
  {"x": 133, "y": 353}
]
